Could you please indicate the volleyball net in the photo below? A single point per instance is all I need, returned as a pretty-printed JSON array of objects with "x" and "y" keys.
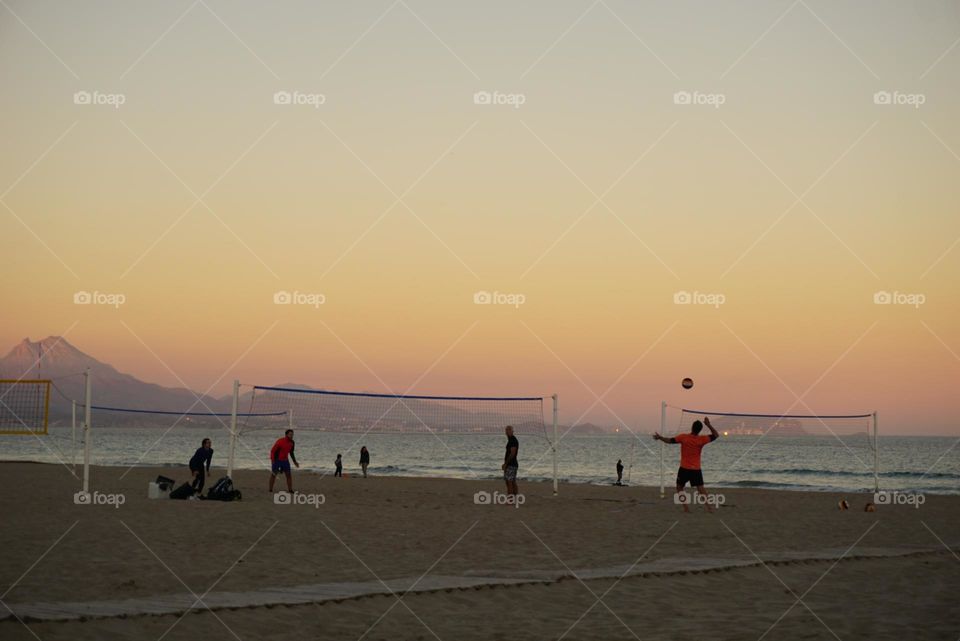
[
  {"x": 367, "y": 413},
  {"x": 821, "y": 444}
]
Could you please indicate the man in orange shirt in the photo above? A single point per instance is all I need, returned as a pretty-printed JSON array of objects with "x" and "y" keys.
[{"x": 690, "y": 446}]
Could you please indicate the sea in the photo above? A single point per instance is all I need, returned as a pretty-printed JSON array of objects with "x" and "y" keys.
[{"x": 811, "y": 463}]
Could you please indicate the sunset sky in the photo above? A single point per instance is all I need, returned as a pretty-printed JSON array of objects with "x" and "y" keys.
[{"x": 791, "y": 197}]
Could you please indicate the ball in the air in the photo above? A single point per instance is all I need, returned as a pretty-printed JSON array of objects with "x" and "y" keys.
[{"x": 687, "y": 383}]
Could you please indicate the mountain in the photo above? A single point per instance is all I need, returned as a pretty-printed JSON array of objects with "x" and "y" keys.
[{"x": 56, "y": 359}]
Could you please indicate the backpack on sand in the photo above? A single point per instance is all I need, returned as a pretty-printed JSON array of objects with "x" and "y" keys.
[
  {"x": 223, "y": 490},
  {"x": 185, "y": 491}
]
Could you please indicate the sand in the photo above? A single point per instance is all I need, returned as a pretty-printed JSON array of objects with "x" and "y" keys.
[{"x": 591, "y": 563}]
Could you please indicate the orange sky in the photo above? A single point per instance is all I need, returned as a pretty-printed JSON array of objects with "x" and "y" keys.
[{"x": 598, "y": 199}]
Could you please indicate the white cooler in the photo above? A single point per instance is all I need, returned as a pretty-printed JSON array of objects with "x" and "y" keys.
[{"x": 154, "y": 491}]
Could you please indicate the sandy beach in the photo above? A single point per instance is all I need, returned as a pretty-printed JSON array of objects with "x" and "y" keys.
[{"x": 592, "y": 563}]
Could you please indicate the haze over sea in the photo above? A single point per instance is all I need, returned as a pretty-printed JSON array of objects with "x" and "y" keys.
[{"x": 814, "y": 463}]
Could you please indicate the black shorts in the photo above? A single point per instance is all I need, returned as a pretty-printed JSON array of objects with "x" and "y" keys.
[{"x": 694, "y": 477}]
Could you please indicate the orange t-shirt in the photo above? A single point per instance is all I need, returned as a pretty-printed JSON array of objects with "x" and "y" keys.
[{"x": 690, "y": 447}]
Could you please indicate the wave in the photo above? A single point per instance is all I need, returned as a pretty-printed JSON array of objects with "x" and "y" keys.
[
  {"x": 769, "y": 485},
  {"x": 802, "y": 471}
]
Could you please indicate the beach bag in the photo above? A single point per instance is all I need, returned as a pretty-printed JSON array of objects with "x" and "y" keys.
[
  {"x": 223, "y": 485},
  {"x": 223, "y": 490},
  {"x": 164, "y": 483},
  {"x": 185, "y": 491}
]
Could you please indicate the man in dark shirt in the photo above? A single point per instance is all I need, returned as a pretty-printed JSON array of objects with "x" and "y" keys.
[
  {"x": 364, "y": 460},
  {"x": 201, "y": 457},
  {"x": 510, "y": 464},
  {"x": 619, "y": 471}
]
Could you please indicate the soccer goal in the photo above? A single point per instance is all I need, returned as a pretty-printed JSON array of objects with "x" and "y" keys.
[
  {"x": 24, "y": 406},
  {"x": 362, "y": 413},
  {"x": 783, "y": 449}
]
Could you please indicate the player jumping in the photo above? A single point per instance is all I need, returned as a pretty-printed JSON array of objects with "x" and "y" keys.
[{"x": 690, "y": 446}]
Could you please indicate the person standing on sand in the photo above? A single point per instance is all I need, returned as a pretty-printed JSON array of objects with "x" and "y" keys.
[
  {"x": 690, "y": 447},
  {"x": 364, "y": 460},
  {"x": 619, "y": 472},
  {"x": 280, "y": 456},
  {"x": 201, "y": 457},
  {"x": 339, "y": 464},
  {"x": 510, "y": 464}
]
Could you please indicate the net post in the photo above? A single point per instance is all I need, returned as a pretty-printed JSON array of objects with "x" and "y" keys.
[
  {"x": 233, "y": 427},
  {"x": 46, "y": 409},
  {"x": 876, "y": 456},
  {"x": 86, "y": 432},
  {"x": 663, "y": 428},
  {"x": 73, "y": 433},
  {"x": 556, "y": 407}
]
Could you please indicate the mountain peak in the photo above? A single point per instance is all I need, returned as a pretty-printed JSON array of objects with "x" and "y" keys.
[
  {"x": 49, "y": 347},
  {"x": 55, "y": 358}
]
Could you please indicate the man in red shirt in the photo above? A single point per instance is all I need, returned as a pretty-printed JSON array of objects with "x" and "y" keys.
[
  {"x": 690, "y": 446},
  {"x": 280, "y": 456}
]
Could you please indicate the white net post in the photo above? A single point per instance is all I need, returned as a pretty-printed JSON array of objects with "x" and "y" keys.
[
  {"x": 86, "y": 432},
  {"x": 233, "y": 428},
  {"x": 663, "y": 426},
  {"x": 876, "y": 456},
  {"x": 556, "y": 409},
  {"x": 73, "y": 434}
]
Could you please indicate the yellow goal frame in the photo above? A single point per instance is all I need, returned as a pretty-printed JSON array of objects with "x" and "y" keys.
[{"x": 46, "y": 404}]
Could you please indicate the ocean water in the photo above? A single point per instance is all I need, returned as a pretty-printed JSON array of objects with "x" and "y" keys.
[{"x": 927, "y": 464}]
